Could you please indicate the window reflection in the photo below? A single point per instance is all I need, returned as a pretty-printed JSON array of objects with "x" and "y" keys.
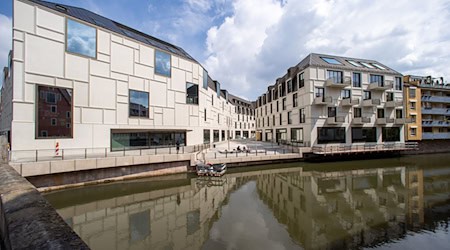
[
  {"x": 139, "y": 226},
  {"x": 54, "y": 109},
  {"x": 138, "y": 103},
  {"x": 81, "y": 39},
  {"x": 191, "y": 93},
  {"x": 162, "y": 63}
]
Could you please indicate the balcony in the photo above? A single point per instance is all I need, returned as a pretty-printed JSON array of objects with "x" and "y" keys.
[
  {"x": 371, "y": 102},
  {"x": 349, "y": 102},
  {"x": 394, "y": 103},
  {"x": 384, "y": 121},
  {"x": 336, "y": 120},
  {"x": 435, "y": 111},
  {"x": 361, "y": 120},
  {"x": 322, "y": 100},
  {"x": 435, "y": 136},
  {"x": 400, "y": 121},
  {"x": 381, "y": 85},
  {"x": 431, "y": 123},
  {"x": 439, "y": 99},
  {"x": 333, "y": 82}
]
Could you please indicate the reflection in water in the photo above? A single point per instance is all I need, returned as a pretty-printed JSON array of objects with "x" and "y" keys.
[{"x": 328, "y": 206}]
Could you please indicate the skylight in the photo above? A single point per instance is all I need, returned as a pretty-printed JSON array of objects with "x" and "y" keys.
[
  {"x": 378, "y": 66},
  {"x": 367, "y": 65},
  {"x": 330, "y": 60},
  {"x": 354, "y": 63}
]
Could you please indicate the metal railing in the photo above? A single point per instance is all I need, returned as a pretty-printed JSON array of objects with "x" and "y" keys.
[
  {"x": 90, "y": 153},
  {"x": 365, "y": 147}
]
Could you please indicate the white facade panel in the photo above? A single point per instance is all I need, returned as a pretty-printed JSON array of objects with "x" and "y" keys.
[
  {"x": 44, "y": 56},
  {"x": 77, "y": 68},
  {"x": 50, "y": 21},
  {"x": 122, "y": 59},
  {"x": 102, "y": 93}
]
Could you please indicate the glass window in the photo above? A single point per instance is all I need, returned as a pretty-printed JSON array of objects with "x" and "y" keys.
[
  {"x": 204, "y": 114},
  {"x": 364, "y": 134},
  {"x": 301, "y": 80},
  {"x": 289, "y": 117},
  {"x": 367, "y": 65},
  {"x": 380, "y": 113},
  {"x": 357, "y": 80},
  {"x": 389, "y": 96},
  {"x": 162, "y": 63},
  {"x": 191, "y": 93},
  {"x": 283, "y": 89},
  {"x": 378, "y": 66},
  {"x": 378, "y": 79},
  {"x": 356, "y": 112},
  {"x": 398, "y": 83},
  {"x": 346, "y": 93},
  {"x": 206, "y": 136},
  {"x": 354, "y": 63},
  {"x": 336, "y": 76},
  {"x": 216, "y": 135},
  {"x": 330, "y": 60},
  {"x": 399, "y": 113},
  {"x": 331, "y": 135},
  {"x": 412, "y": 105},
  {"x": 331, "y": 111},
  {"x": 302, "y": 115},
  {"x": 297, "y": 135},
  {"x": 289, "y": 86},
  {"x": 294, "y": 100},
  {"x": 218, "y": 89},
  {"x": 81, "y": 39},
  {"x": 413, "y": 131},
  {"x": 391, "y": 134},
  {"x": 139, "y": 224},
  {"x": 320, "y": 92},
  {"x": 412, "y": 93},
  {"x": 54, "y": 124},
  {"x": 281, "y": 121},
  {"x": 284, "y": 103},
  {"x": 205, "y": 79},
  {"x": 121, "y": 141},
  {"x": 138, "y": 104},
  {"x": 367, "y": 95}
]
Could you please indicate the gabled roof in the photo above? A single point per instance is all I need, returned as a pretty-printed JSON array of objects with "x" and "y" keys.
[{"x": 108, "y": 24}]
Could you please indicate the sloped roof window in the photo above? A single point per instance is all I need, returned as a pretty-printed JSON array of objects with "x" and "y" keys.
[
  {"x": 378, "y": 66},
  {"x": 367, "y": 65},
  {"x": 354, "y": 63},
  {"x": 331, "y": 60}
]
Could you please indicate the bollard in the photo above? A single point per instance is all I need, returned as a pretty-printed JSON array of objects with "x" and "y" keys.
[
  {"x": 170, "y": 150},
  {"x": 123, "y": 151},
  {"x": 62, "y": 154},
  {"x": 226, "y": 154},
  {"x": 85, "y": 153},
  {"x": 106, "y": 152},
  {"x": 156, "y": 151},
  {"x": 140, "y": 151},
  {"x": 283, "y": 151},
  {"x": 215, "y": 155},
  {"x": 256, "y": 151},
  {"x": 265, "y": 151},
  {"x": 236, "y": 154},
  {"x": 36, "y": 155},
  {"x": 246, "y": 152},
  {"x": 183, "y": 149}
]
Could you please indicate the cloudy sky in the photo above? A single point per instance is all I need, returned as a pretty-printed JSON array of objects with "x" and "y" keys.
[{"x": 247, "y": 44}]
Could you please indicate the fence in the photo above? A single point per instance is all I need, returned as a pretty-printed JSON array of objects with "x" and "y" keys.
[
  {"x": 86, "y": 153},
  {"x": 365, "y": 147}
]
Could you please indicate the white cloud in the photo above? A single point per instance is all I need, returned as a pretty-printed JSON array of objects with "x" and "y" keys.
[
  {"x": 6, "y": 39},
  {"x": 261, "y": 39}
]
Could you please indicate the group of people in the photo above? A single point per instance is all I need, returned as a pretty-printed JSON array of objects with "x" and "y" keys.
[{"x": 244, "y": 149}]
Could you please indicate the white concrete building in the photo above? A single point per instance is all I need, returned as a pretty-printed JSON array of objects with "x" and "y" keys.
[
  {"x": 84, "y": 81},
  {"x": 333, "y": 100}
]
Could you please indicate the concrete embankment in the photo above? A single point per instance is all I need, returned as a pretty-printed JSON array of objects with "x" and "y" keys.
[{"x": 27, "y": 220}]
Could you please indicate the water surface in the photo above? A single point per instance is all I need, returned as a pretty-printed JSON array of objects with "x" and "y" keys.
[{"x": 399, "y": 203}]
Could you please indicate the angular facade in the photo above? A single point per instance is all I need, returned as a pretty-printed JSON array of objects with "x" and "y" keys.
[
  {"x": 428, "y": 102},
  {"x": 84, "y": 81},
  {"x": 333, "y": 100}
]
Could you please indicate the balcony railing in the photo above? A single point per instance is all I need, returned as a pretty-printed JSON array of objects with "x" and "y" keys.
[
  {"x": 383, "y": 121},
  {"x": 349, "y": 102},
  {"x": 336, "y": 120},
  {"x": 430, "y": 123},
  {"x": 394, "y": 103},
  {"x": 361, "y": 120},
  {"x": 371, "y": 102},
  {"x": 435, "y": 136},
  {"x": 381, "y": 85},
  {"x": 334, "y": 82},
  {"x": 401, "y": 121},
  {"x": 440, "y": 99},
  {"x": 435, "y": 111},
  {"x": 322, "y": 100},
  {"x": 433, "y": 86}
]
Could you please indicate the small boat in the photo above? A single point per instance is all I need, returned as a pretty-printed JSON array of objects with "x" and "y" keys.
[{"x": 211, "y": 169}]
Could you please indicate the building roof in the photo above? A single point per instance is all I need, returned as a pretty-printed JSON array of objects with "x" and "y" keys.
[
  {"x": 108, "y": 24},
  {"x": 319, "y": 60}
]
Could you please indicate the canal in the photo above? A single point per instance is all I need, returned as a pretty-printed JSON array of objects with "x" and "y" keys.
[{"x": 398, "y": 203}]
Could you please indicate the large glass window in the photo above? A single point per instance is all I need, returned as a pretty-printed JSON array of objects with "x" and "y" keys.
[
  {"x": 121, "y": 141},
  {"x": 289, "y": 114},
  {"x": 205, "y": 79},
  {"x": 289, "y": 86},
  {"x": 380, "y": 113},
  {"x": 399, "y": 113},
  {"x": 191, "y": 93},
  {"x": 302, "y": 115},
  {"x": 357, "y": 80},
  {"x": 377, "y": 79},
  {"x": 364, "y": 134},
  {"x": 337, "y": 76},
  {"x": 367, "y": 95},
  {"x": 332, "y": 111},
  {"x": 54, "y": 119},
  {"x": 81, "y": 39},
  {"x": 356, "y": 112},
  {"x": 391, "y": 134},
  {"x": 297, "y": 134},
  {"x": 398, "y": 83},
  {"x": 138, "y": 104},
  {"x": 331, "y": 135},
  {"x": 294, "y": 100},
  {"x": 346, "y": 93},
  {"x": 206, "y": 136},
  {"x": 412, "y": 93},
  {"x": 301, "y": 80},
  {"x": 284, "y": 103},
  {"x": 162, "y": 63}
]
